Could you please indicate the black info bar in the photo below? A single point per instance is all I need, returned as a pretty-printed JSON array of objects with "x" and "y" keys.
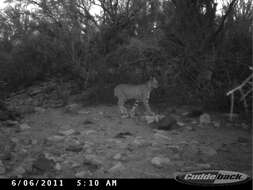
[{"x": 104, "y": 184}]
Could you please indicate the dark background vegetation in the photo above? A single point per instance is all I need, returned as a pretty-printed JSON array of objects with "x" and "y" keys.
[{"x": 196, "y": 51}]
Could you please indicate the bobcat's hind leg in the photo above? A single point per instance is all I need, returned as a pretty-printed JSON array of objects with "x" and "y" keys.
[
  {"x": 122, "y": 109},
  {"x": 148, "y": 109}
]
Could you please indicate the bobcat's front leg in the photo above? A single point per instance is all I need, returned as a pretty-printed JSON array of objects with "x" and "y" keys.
[
  {"x": 132, "y": 111},
  {"x": 146, "y": 104}
]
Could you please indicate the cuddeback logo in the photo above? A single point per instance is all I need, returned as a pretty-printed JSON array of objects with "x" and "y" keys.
[{"x": 212, "y": 177}]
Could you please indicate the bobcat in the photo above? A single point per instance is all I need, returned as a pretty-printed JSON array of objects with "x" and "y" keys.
[{"x": 141, "y": 93}]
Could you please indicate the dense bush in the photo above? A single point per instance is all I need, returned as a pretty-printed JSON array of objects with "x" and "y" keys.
[{"x": 197, "y": 52}]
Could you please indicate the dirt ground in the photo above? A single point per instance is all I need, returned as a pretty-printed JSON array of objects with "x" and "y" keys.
[{"x": 95, "y": 141}]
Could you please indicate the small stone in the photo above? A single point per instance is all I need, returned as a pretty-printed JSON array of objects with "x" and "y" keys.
[
  {"x": 88, "y": 150},
  {"x": 87, "y": 144},
  {"x": 176, "y": 156},
  {"x": 139, "y": 141},
  {"x": 117, "y": 156},
  {"x": 205, "y": 119},
  {"x": 161, "y": 136},
  {"x": 75, "y": 148},
  {"x": 76, "y": 164},
  {"x": 26, "y": 109},
  {"x": 14, "y": 139},
  {"x": 194, "y": 122},
  {"x": 89, "y": 132},
  {"x": 39, "y": 109},
  {"x": 35, "y": 91},
  {"x": 93, "y": 159},
  {"x": 26, "y": 141},
  {"x": 160, "y": 161},
  {"x": 123, "y": 135},
  {"x": 189, "y": 151},
  {"x": 114, "y": 141},
  {"x": 34, "y": 141},
  {"x": 174, "y": 148},
  {"x": 57, "y": 166},
  {"x": 82, "y": 174},
  {"x": 24, "y": 126},
  {"x": 181, "y": 124},
  {"x": 216, "y": 124},
  {"x": 209, "y": 151},
  {"x": 245, "y": 126},
  {"x": 194, "y": 113},
  {"x": 19, "y": 170},
  {"x": 23, "y": 150},
  {"x": 72, "y": 108},
  {"x": 117, "y": 167},
  {"x": 55, "y": 138},
  {"x": 67, "y": 132},
  {"x": 189, "y": 128},
  {"x": 49, "y": 156},
  {"x": 87, "y": 122},
  {"x": 202, "y": 166},
  {"x": 149, "y": 118},
  {"x": 194, "y": 142},
  {"x": 178, "y": 163},
  {"x": 243, "y": 140},
  {"x": 11, "y": 123},
  {"x": 83, "y": 112}
]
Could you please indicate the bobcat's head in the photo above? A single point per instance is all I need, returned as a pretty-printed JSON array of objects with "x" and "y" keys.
[{"x": 153, "y": 83}]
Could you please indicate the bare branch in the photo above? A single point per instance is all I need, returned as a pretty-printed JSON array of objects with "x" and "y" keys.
[{"x": 230, "y": 8}]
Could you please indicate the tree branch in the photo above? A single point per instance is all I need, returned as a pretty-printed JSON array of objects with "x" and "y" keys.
[{"x": 230, "y": 8}]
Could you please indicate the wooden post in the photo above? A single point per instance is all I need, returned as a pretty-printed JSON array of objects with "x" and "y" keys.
[
  {"x": 244, "y": 101},
  {"x": 231, "y": 107}
]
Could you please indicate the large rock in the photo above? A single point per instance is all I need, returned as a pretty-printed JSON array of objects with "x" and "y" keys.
[
  {"x": 72, "y": 108},
  {"x": 194, "y": 113},
  {"x": 165, "y": 123},
  {"x": 204, "y": 119},
  {"x": 43, "y": 164}
]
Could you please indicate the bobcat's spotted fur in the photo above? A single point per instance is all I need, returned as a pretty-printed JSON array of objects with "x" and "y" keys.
[{"x": 141, "y": 93}]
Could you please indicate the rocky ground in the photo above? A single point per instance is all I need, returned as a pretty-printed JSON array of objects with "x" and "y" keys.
[{"x": 47, "y": 138}]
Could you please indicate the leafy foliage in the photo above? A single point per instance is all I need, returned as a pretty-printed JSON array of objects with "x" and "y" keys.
[{"x": 194, "y": 49}]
